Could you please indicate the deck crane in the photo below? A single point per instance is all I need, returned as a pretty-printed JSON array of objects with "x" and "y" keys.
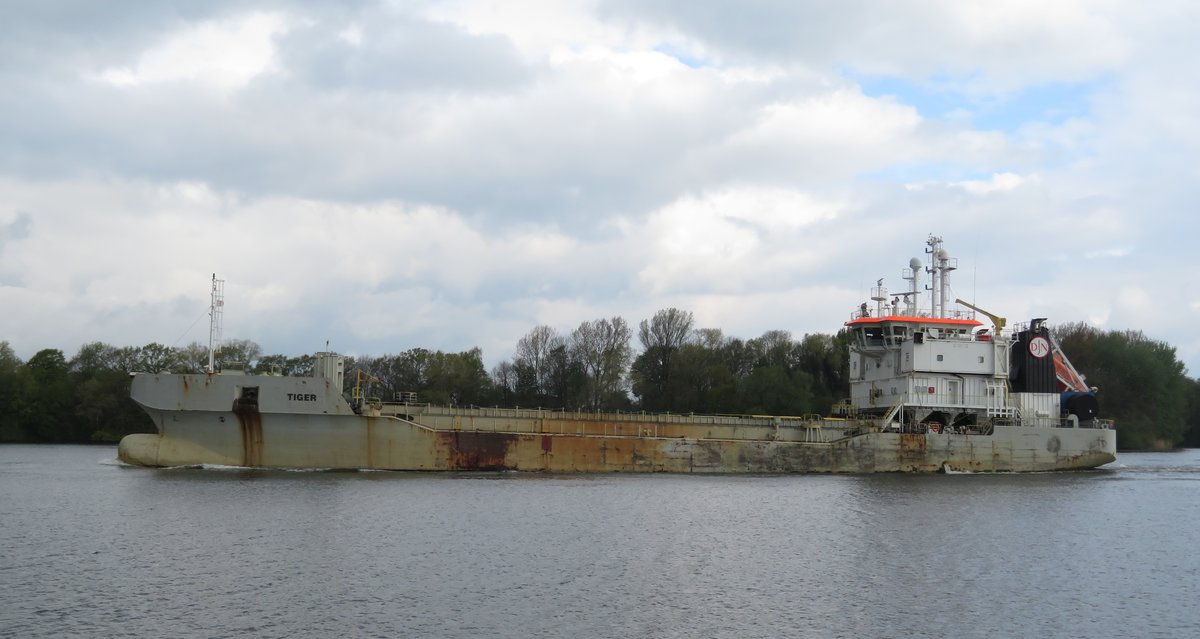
[{"x": 997, "y": 321}]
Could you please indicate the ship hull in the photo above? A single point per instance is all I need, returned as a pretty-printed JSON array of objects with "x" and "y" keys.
[{"x": 194, "y": 430}]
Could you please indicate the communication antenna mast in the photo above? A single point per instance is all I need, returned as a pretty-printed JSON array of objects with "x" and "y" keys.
[
  {"x": 913, "y": 275},
  {"x": 216, "y": 310}
]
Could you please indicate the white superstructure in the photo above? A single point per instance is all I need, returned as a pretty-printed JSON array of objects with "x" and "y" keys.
[{"x": 933, "y": 368}]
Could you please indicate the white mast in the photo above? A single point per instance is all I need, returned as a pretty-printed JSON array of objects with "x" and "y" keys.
[
  {"x": 879, "y": 295},
  {"x": 935, "y": 244},
  {"x": 939, "y": 270},
  {"x": 913, "y": 275},
  {"x": 215, "y": 311}
]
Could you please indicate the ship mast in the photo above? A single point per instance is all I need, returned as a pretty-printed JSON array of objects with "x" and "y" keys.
[
  {"x": 216, "y": 309},
  {"x": 913, "y": 275},
  {"x": 939, "y": 270}
]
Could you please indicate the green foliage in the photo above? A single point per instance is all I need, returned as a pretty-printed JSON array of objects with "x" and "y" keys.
[
  {"x": 238, "y": 353},
  {"x": 10, "y": 365},
  {"x": 773, "y": 390},
  {"x": 100, "y": 375},
  {"x": 824, "y": 359},
  {"x": 1192, "y": 437},
  {"x": 770, "y": 374},
  {"x": 437, "y": 377},
  {"x": 1142, "y": 386},
  {"x": 43, "y": 405}
]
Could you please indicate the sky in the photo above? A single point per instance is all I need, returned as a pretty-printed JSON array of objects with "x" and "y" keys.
[{"x": 390, "y": 175}]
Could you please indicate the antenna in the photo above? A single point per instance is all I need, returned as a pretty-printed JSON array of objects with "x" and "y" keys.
[
  {"x": 913, "y": 275},
  {"x": 879, "y": 295},
  {"x": 934, "y": 250},
  {"x": 216, "y": 311}
]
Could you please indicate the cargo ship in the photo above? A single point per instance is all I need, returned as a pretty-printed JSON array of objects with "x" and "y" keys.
[{"x": 932, "y": 389}]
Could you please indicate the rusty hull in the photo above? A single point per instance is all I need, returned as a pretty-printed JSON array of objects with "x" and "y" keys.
[{"x": 198, "y": 425}]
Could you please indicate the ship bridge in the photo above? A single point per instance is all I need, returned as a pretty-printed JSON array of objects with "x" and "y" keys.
[
  {"x": 942, "y": 369},
  {"x": 932, "y": 364}
]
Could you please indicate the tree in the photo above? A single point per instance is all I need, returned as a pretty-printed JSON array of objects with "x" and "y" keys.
[
  {"x": 192, "y": 358},
  {"x": 668, "y": 329},
  {"x": 696, "y": 373},
  {"x": 10, "y": 364},
  {"x": 406, "y": 372},
  {"x": 601, "y": 348},
  {"x": 1142, "y": 386},
  {"x": 504, "y": 380},
  {"x": 45, "y": 398},
  {"x": 565, "y": 377},
  {"x": 301, "y": 366},
  {"x": 824, "y": 358},
  {"x": 533, "y": 351},
  {"x": 772, "y": 390},
  {"x": 774, "y": 348},
  {"x": 738, "y": 357},
  {"x": 271, "y": 364},
  {"x": 527, "y": 391},
  {"x": 93, "y": 358},
  {"x": 648, "y": 377},
  {"x": 156, "y": 358},
  {"x": 661, "y": 337},
  {"x": 1192, "y": 438},
  {"x": 458, "y": 379},
  {"x": 241, "y": 352}
]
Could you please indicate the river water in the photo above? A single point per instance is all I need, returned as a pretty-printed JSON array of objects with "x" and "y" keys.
[{"x": 92, "y": 548}]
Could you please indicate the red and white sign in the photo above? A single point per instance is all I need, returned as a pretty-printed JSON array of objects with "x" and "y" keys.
[{"x": 1039, "y": 347}]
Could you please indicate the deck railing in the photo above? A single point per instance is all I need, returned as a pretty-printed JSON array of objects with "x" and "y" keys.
[{"x": 807, "y": 428}]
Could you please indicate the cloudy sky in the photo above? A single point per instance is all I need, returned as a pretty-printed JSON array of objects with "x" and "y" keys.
[{"x": 388, "y": 175}]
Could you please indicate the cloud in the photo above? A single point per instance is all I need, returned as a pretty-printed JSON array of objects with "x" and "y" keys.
[
  {"x": 976, "y": 45},
  {"x": 729, "y": 240},
  {"x": 998, "y": 182},
  {"x": 225, "y": 54},
  {"x": 379, "y": 50},
  {"x": 389, "y": 175}
]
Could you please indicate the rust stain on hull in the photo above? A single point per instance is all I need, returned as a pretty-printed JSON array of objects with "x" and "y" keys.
[
  {"x": 469, "y": 450},
  {"x": 250, "y": 423},
  {"x": 496, "y": 442}
]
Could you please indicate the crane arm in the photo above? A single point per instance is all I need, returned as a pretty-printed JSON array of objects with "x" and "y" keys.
[{"x": 997, "y": 321}]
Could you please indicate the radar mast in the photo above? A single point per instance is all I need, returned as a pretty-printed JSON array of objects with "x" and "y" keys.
[{"x": 216, "y": 310}]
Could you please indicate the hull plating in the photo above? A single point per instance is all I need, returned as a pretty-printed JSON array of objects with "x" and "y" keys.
[
  {"x": 351, "y": 441},
  {"x": 305, "y": 423}
]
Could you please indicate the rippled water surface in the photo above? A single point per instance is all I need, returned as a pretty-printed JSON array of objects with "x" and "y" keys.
[{"x": 91, "y": 548}]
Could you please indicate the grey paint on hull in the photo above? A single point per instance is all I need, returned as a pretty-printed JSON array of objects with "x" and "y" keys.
[{"x": 197, "y": 424}]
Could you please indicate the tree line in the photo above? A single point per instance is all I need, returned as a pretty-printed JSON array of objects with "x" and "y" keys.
[
  {"x": 679, "y": 368},
  {"x": 1144, "y": 388}
]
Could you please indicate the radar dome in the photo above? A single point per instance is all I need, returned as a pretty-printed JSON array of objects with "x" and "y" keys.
[
  {"x": 915, "y": 264},
  {"x": 943, "y": 254}
]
